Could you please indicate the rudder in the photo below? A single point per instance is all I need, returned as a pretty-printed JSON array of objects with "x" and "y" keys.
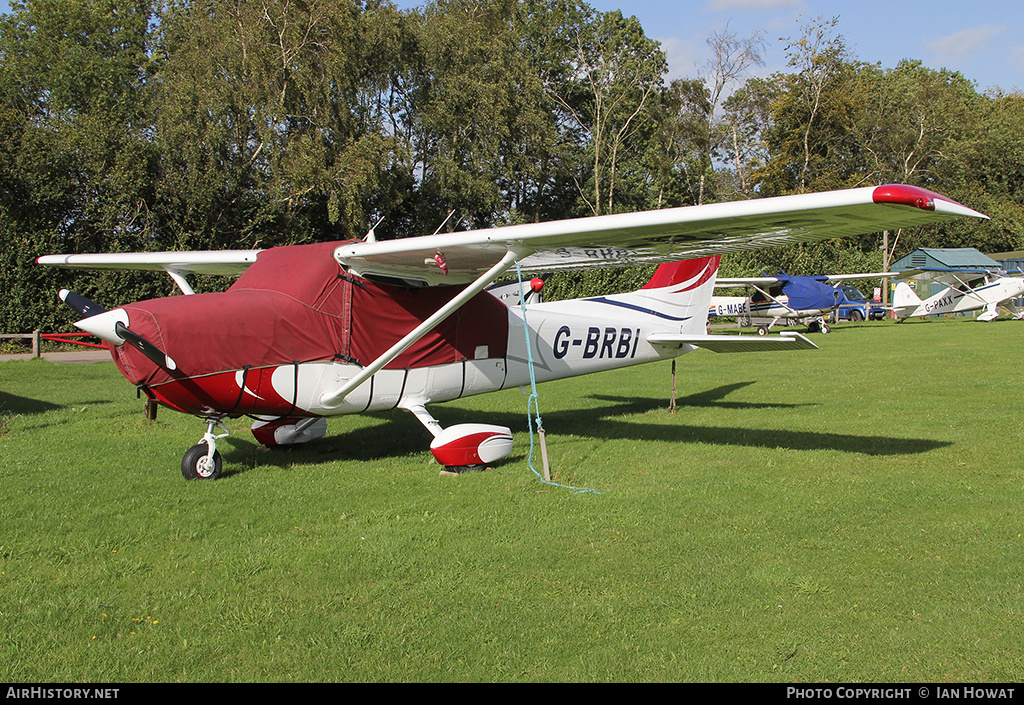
[
  {"x": 672, "y": 273},
  {"x": 904, "y": 300}
]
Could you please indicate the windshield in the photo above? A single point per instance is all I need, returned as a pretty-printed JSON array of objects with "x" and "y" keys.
[{"x": 853, "y": 293}]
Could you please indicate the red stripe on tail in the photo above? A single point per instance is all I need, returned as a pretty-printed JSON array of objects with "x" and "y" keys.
[{"x": 672, "y": 273}]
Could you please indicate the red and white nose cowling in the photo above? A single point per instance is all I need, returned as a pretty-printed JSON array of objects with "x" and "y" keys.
[{"x": 471, "y": 444}]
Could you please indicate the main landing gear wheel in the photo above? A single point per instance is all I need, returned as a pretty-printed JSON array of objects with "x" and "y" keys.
[
  {"x": 459, "y": 469},
  {"x": 197, "y": 465},
  {"x": 762, "y": 330}
]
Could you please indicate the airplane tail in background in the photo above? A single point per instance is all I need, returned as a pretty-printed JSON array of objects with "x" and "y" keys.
[{"x": 904, "y": 300}]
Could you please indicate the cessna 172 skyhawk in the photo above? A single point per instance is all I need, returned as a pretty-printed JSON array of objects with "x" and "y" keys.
[
  {"x": 312, "y": 331},
  {"x": 785, "y": 296}
]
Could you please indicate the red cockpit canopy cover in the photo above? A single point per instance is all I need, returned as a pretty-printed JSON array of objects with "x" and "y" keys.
[{"x": 296, "y": 304}]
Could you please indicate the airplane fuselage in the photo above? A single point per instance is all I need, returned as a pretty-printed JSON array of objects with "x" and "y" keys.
[
  {"x": 955, "y": 300},
  {"x": 563, "y": 344},
  {"x": 742, "y": 306},
  {"x": 282, "y": 353}
]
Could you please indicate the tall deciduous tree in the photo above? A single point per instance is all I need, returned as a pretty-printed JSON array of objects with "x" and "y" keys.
[
  {"x": 907, "y": 118},
  {"x": 747, "y": 120},
  {"x": 680, "y": 146},
  {"x": 78, "y": 167},
  {"x": 263, "y": 135},
  {"x": 810, "y": 140},
  {"x": 608, "y": 85},
  {"x": 731, "y": 57},
  {"x": 904, "y": 124},
  {"x": 477, "y": 114}
]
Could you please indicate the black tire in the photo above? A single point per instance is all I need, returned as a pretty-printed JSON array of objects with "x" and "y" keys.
[
  {"x": 458, "y": 469},
  {"x": 192, "y": 470},
  {"x": 824, "y": 328},
  {"x": 762, "y": 330},
  {"x": 855, "y": 316}
]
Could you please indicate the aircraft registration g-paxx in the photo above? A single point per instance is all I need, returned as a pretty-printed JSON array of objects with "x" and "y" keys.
[
  {"x": 966, "y": 291},
  {"x": 312, "y": 331},
  {"x": 784, "y": 296}
]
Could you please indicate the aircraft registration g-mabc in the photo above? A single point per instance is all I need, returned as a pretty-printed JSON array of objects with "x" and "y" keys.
[
  {"x": 312, "y": 331},
  {"x": 786, "y": 296}
]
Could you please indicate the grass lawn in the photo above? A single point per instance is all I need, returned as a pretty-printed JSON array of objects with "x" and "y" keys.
[{"x": 847, "y": 514}]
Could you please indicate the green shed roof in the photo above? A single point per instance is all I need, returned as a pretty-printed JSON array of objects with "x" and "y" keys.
[{"x": 947, "y": 259}]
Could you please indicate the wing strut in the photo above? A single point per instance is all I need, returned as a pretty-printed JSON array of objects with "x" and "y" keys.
[
  {"x": 180, "y": 280},
  {"x": 768, "y": 296},
  {"x": 969, "y": 291},
  {"x": 331, "y": 400}
]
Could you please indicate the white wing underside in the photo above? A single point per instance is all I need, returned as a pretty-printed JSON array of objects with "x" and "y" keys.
[
  {"x": 735, "y": 343},
  {"x": 601, "y": 241},
  {"x": 728, "y": 282},
  {"x": 225, "y": 262}
]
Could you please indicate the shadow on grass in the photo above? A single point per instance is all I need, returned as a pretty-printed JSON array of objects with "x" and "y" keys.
[
  {"x": 23, "y": 405},
  {"x": 713, "y": 398},
  {"x": 400, "y": 434}
]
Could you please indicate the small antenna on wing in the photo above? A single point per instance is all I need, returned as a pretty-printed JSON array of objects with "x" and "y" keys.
[
  {"x": 370, "y": 237},
  {"x": 445, "y": 221}
]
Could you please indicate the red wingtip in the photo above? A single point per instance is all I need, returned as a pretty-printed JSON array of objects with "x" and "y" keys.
[{"x": 904, "y": 195}]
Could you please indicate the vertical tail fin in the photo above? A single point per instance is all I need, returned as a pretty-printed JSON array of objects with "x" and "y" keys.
[
  {"x": 679, "y": 294},
  {"x": 672, "y": 273},
  {"x": 904, "y": 300}
]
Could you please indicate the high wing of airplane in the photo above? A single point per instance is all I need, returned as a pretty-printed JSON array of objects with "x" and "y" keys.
[
  {"x": 312, "y": 331},
  {"x": 784, "y": 296},
  {"x": 966, "y": 290}
]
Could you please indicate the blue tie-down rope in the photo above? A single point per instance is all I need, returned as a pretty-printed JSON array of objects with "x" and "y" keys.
[{"x": 533, "y": 403}]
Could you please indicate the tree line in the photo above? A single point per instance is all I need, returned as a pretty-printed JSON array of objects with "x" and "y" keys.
[{"x": 212, "y": 124}]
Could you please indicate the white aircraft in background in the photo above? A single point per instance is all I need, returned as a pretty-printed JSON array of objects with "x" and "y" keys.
[
  {"x": 966, "y": 291},
  {"x": 314, "y": 331},
  {"x": 785, "y": 296}
]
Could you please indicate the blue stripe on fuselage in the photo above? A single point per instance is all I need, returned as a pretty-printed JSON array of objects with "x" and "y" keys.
[{"x": 632, "y": 307}]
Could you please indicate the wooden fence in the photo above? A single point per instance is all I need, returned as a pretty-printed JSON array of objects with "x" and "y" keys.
[{"x": 36, "y": 337}]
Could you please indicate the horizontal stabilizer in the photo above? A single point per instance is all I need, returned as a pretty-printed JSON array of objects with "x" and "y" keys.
[{"x": 735, "y": 343}]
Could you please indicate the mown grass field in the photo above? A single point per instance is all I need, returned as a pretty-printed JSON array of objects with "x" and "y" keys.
[{"x": 854, "y": 513}]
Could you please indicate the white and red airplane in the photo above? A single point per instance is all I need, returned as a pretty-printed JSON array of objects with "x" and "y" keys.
[{"x": 312, "y": 331}]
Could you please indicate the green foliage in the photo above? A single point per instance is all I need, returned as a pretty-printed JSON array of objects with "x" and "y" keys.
[
  {"x": 596, "y": 282},
  {"x": 263, "y": 137},
  {"x": 176, "y": 124}
]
